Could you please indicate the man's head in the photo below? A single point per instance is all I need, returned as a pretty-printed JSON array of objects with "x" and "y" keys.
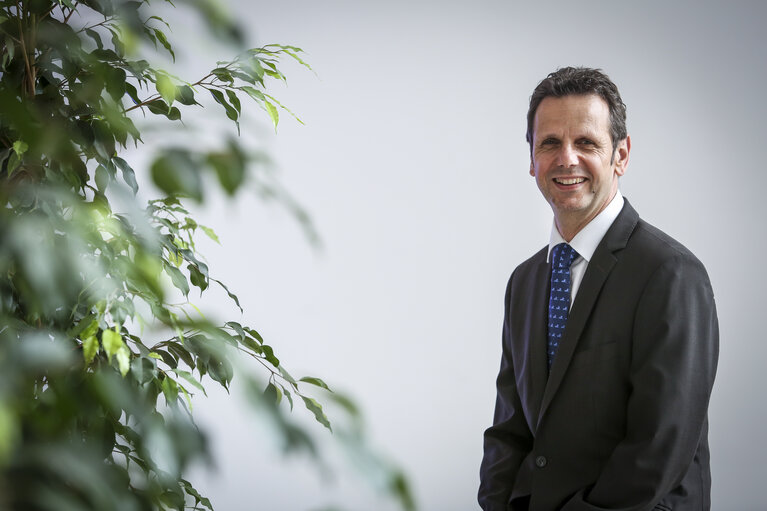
[
  {"x": 580, "y": 81},
  {"x": 578, "y": 145}
]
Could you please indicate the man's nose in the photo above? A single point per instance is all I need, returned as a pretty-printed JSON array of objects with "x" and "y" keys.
[{"x": 568, "y": 156}]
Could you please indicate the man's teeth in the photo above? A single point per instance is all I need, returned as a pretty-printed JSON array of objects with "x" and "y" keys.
[{"x": 571, "y": 181}]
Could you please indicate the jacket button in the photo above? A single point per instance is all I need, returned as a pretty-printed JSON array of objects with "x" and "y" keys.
[{"x": 541, "y": 461}]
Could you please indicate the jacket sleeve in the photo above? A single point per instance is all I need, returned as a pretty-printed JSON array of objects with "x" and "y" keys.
[
  {"x": 675, "y": 343},
  {"x": 508, "y": 440}
]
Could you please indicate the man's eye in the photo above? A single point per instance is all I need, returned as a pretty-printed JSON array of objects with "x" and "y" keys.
[
  {"x": 586, "y": 141},
  {"x": 549, "y": 141}
]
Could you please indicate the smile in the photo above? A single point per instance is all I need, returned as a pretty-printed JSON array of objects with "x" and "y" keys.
[{"x": 570, "y": 180}]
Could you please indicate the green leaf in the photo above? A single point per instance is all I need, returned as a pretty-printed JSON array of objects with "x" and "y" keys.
[
  {"x": 164, "y": 41},
  {"x": 314, "y": 407},
  {"x": 289, "y": 396},
  {"x": 273, "y": 394},
  {"x": 90, "y": 348},
  {"x": 169, "y": 390},
  {"x": 234, "y": 100},
  {"x": 196, "y": 277},
  {"x": 90, "y": 330},
  {"x": 229, "y": 293},
  {"x": 274, "y": 100},
  {"x": 294, "y": 55},
  {"x": 128, "y": 175},
  {"x": 222, "y": 74},
  {"x": 269, "y": 355},
  {"x": 160, "y": 107},
  {"x": 210, "y": 233},
  {"x": 132, "y": 93},
  {"x": 220, "y": 369},
  {"x": 219, "y": 97},
  {"x": 112, "y": 342},
  {"x": 285, "y": 374},
  {"x": 123, "y": 359},
  {"x": 185, "y": 95},
  {"x": 115, "y": 83},
  {"x": 253, "y": 93},
  {"x": 237, "y": 328},
  {"x": 178, "y": 349},
  {"x": 189, "y": 377},
  {"x": 166, "y": 88},
  {"x": 178, "y": 279},
  {"x": 144, "y": 369},
  {"x": 20, "y": 147},
  {"x": 255, "y": 334},
  {"x": 102, "y": 178},
  {"x": 13, "y": 163},
  {"x": 273, "y": 113},
  {"x": 95, "y": 36},
  {"x": 315, "y": 381}
]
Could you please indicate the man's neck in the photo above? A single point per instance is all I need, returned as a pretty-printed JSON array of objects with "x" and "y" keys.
[{"x": 569, "y": 226}]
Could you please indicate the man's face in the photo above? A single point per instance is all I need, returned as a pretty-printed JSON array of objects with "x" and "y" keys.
[{"x": 572, "y": 159}]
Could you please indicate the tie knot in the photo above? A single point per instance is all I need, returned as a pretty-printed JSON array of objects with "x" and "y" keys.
[{"x": 563, "y": 255}]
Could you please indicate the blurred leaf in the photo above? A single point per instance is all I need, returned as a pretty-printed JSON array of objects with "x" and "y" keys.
[
  {"x": 273, "y": 394},
  {"x": 112, "y": 342},
  {"x": 123, "y": 359},
  {"x": 175, "y": 173},
  {"x": 189, "y": 377},
  {"x": 230, "y": 168},
  {"x": 90, "y": 348},
  {"x": 20, "y": 147},
  {"x": 169, "y": 390},
  {"x": 210, "y": 233}
]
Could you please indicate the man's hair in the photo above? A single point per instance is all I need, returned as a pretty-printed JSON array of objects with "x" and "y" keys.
[{"x": 582, "y": 81}]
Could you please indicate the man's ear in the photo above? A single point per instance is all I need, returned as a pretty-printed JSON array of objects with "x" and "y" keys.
[
  {"x": 532, "y": 168},
  {"x": 622, "y": 155}
]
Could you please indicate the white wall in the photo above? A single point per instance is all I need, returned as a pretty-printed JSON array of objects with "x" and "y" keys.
[{"x": 413, "y": 166}]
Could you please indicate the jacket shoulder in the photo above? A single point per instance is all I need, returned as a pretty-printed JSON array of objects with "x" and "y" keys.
[{"x": 654, "y": 245}]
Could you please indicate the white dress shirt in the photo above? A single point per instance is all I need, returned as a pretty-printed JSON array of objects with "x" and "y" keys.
[{"x": 586, "y": 241}]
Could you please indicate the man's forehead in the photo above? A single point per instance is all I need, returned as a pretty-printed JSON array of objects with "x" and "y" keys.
[{"x": 587, "y": 112}]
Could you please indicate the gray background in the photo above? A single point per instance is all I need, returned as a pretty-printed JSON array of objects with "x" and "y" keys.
[{"x": 414, "y": 168}]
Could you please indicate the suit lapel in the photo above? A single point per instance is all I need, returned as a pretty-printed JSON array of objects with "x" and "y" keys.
[
  {"x": 599, "y": 268},
  {"x": 539, "y": 296}
]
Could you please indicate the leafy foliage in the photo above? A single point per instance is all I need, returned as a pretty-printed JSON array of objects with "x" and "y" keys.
[{"x": 97, "y": 365}]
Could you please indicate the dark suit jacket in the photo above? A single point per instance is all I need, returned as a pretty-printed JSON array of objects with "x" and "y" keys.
[{"x": 621, "y": 421}]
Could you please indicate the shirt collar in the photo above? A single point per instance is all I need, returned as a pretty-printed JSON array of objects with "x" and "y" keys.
[{"x": 588, "y": 238}]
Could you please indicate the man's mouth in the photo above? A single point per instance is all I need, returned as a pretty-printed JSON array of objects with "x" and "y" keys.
[{"x": 569, "y": 180}]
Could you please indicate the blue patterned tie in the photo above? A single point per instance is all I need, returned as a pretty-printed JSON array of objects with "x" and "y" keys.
[{"x": 562, "y": 256}]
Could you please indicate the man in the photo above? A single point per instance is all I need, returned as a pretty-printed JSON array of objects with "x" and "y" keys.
[{"x": 610, "y": 336}]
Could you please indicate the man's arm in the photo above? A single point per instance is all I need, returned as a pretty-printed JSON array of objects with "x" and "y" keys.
[
  {"x": 508, "y": 440},
  {"x": 674, "y": 358}
]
